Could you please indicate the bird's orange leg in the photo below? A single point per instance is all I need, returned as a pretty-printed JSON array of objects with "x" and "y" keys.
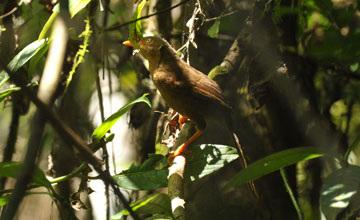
[{"x": 183, "y": 147}]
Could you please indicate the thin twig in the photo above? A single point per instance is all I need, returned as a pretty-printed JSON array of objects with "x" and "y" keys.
[
  {"x": 145, "y": 17},
  {"x": 222, "y": 16},
  {"x": 101, "y": 103},
  {"x": 9, "y": 13}
]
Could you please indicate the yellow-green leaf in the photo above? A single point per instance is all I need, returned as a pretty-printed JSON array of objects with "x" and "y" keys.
[
  {"x": 109, "y": 122},
  {"x": 213, "y": 31}
]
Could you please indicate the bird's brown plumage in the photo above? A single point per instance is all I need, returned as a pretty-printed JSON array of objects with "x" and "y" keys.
[{"x": 185, "y": 89}]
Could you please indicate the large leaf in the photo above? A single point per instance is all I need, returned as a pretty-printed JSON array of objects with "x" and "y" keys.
[
  {"x": 145, "y": 176},
  {"x": 136, "y": 27},
  {"x": 206, "y": 160},
  {"x": 75, "y": 6},
  {"x": 21, "y": 58},
  {"x": 109, "y": 122},
  {"x": 154, "y": 204},
  {"x": 12, "y": 169},
  {"x": 143, "y": 180},
  {"x": 338, "y": 191},
  {"x": 272, "y": 163}
]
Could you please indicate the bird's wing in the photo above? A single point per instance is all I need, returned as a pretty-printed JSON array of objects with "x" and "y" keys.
[{"x": 204, "y": 87}]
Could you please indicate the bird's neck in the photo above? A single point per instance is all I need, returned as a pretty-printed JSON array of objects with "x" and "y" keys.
[{"x": 169, "y": 59}]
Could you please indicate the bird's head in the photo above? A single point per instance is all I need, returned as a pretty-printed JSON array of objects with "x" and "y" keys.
[{"x": 149, "y": 46}]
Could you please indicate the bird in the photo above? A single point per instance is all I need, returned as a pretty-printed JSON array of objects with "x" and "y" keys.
[{"x": 187, "y": 90}]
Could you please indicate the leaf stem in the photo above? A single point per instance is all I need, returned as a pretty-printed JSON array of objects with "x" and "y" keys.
[
  {"x": 291, "y": 194},
  {"x": 70, "y": 175}
]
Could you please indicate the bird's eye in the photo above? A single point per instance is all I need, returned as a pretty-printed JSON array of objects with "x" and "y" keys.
[{"x": 148, "y": 40}]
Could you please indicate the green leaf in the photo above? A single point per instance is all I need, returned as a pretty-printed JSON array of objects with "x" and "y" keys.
[
  {"x": 338, "y": 190},
  {"x": 21, "y": 58},
  {"x": 75, "y": 6},
  {"x": 354, "y": 67},
  {"x": 46, "y": 30},
  {"x": 272, "y": 163},
  {"x": 154, "y": 204},
  {"x": 217, "y": 70},
  {"x": 145, "y": 176},
  {"x": 36, "y": 59},
  {"x": 4, "y": 200},
  {"x": 12, "y": 169},
  {"x": 208, "y": 158},
  {"x": 109, "y": 122},
  {"x": 213, "y": 31},
  {"x": 136, "y": 27},
  {"x": 5, "y": 93},
  {"x": 3, "y": 78},
  {"x": 25, "y": 55},
  {"x": 143, "y": 180}
]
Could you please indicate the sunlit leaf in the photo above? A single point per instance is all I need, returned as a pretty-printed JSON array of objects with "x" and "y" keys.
[
  {"x": 338, "y": 190},
  {"x": 109, "y": 122},
  {"x": 213, "y": 31},
  {"x": 3, "y": 78},
  {"x": 46, "y": 30},
  {"x": 338, "y": 108},
  {"x": 5, "y": 93},
  {"x": 21, "y": 58},
  {"x": 25, "y": 55},
  {"x": 273, "y": 163},
  {"x": 12, "y": 169},
  {"x": 75, "y": 6},
  {"x": 216, "y": 71},
  {"x": 136, "y": 28},
  {"x": 208, "y": 158}
]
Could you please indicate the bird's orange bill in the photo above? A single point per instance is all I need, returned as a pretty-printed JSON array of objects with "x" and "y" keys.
[{"x": 127, "y": 43}]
